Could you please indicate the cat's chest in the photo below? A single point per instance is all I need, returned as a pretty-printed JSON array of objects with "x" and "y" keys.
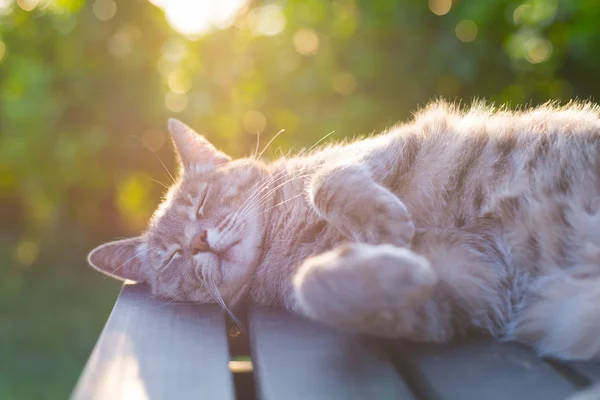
[
  {"x": 295, "y": 237},
  {"x": 289, "y": 240}
]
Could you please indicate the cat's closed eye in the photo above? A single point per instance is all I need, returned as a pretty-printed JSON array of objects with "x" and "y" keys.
[
  {"x": 176, "y": 253},
  {"x": 200, "y": 209}
]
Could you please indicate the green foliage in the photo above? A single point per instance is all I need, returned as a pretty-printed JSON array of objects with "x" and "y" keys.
[{"x": 85, "y": 91}]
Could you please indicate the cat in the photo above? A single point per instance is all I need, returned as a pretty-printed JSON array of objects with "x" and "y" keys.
[{"x": 463, "y": 219}]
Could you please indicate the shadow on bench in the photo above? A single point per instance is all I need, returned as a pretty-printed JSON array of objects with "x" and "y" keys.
[{"x": 155, "y": 350}]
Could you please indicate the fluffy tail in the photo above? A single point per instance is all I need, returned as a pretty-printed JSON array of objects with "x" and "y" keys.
[{"x": 562, "y": 317}]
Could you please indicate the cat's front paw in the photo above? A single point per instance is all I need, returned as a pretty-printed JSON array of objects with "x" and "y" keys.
[
  {"x": 364, "y": 288},
  {"x": 386, "y": 220},
  {"x": 360, "y": 209},
  {"x": 375, "y": 218}
]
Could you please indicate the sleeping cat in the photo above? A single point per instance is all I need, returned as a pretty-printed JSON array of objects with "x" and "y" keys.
[{"x": 459, "y": 220}]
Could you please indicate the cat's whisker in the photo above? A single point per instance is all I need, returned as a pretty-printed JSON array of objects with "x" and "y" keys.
[
  {"x": 241, "y": 216},
  {"x": 257, "y": 144},
  {"x": 160, "y": 183},
  {"x": 317, "y": 142},
  {"x": 157, "y": 157},
  {"x": 164, "y": 304},
  {"x": 274, "y": 177},
  {"x": 263, "y": 185},
  {"x": 259, "y": 203},
  {"x": 276, "y": 205},
  {"x": 266, "y": 197},
  {"x": 268, "y": 144},
  {"x": 186, "y": 195},
  {"x": 241, "y": 213},
  {"x": 218, "y": 298},
  {"x": 126, "y": 261},
  {"x": 221, "y": 225},
  {"x": 303, "y": 152},
  {"x": 256, "y": 193},
  {"x": 179, "y": 303},
  {"x": 278, "y": 174}
]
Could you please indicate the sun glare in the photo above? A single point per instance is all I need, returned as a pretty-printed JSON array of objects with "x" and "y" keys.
[{"x": 197, "y": 17}]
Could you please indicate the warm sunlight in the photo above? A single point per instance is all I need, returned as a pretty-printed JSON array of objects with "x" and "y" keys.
[
  {"x": 120, "y": 376},
  {"x": 196, "y": 17}
]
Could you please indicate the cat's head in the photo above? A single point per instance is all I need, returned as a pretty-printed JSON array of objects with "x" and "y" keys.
[{"x": 204, "y": 239}]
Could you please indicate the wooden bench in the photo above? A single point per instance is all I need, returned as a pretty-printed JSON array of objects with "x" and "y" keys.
[{"x": 156, "y": 350}]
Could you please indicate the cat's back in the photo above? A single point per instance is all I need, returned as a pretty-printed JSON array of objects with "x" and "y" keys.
[
  {"x": 529, "y": 181},
  {"x": 461, "y": 163}
]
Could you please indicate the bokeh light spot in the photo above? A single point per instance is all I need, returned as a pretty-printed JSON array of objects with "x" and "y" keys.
[
  {"x": 165, "y": 67},
  {"x": 104, "y": 9},
  {"x": 202, "y": 103},
  {"x": 344, "y": 8},
  {"x": 121, "y": 43},
  {"x": 266, "y": 21},
  {"x": 538, "y": 12},
  {"x": 176, "y": 102},
  {"x": 118, "y": 46},
  {"x": 197, "y": 17},
  {"x": 132, "y": 200},
  {"x": 345, "y": 18},
  {"x": 520, "y": 13},
  {"x": 440, "y": 7},
  {"x": 179, "y": 82},
  {"x": 5, "y": 7},
  {"x": 466, "y": 30},
  {"x": 27, "y": 5},
  {"x": 254, "y": 121},
  {"x": 26, "y": 253},
  {"x": 538, "y": 50},
  {"x": 344, "y": 83},
  {"x": 174, "y": 50},
  {"x": 306, "y": 42}
]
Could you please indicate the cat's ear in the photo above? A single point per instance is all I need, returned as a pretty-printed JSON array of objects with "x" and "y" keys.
[
  {"x": 195, "y": 152},
  {"x": 120, "y": 259}
]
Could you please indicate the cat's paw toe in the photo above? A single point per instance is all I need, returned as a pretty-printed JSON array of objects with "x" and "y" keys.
[{"x": 386, "y": 221}]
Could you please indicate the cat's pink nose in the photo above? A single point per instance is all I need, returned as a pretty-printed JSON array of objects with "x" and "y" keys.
[{"x": 198, "y": 243}]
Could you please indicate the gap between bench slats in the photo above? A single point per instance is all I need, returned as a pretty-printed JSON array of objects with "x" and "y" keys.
[
  {"x": 480, "y": 369},
  {"x": 155, "y": 350},
  {"x": 297, "y": 359},
  {"x": 588, "y": 369}
]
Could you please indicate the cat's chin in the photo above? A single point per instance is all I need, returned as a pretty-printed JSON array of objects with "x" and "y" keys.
[{"x": 235, "y": 267}]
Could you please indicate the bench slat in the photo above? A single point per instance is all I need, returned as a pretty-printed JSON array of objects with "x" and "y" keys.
[
  {"x": 150, "y": 349},
  {"x": 482, "y": 369},
  {"x": 297, "y": 359}
]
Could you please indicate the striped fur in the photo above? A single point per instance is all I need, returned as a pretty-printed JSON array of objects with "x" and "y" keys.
[{"x": 460, "y": 220}]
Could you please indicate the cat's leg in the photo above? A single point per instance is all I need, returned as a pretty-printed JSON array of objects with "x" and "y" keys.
[
  {"x": 369, "y": 289},
  {"x": 561, "y": 315},
  {"x": 388, "y": 291},
  {"x": 362, "y": 210}
]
